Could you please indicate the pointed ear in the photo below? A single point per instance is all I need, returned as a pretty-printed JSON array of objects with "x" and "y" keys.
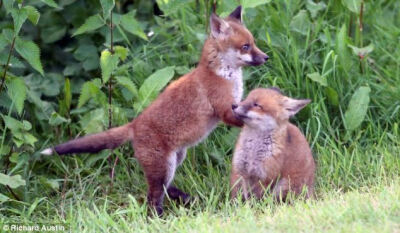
[
  {"x": 237, "y": 14},
  {"x": 293, "y": 106},
  {"x": 219, "y": 27}
]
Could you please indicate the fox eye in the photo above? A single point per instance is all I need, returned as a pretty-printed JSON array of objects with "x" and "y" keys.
[
  {"x": 246, "y": 47},
  {"x": 257, "y": 105}
]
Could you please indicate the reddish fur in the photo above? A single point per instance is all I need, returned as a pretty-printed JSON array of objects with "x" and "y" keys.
[
  {"x": 291, "y": 166},
  {"x": 185, "y": 112}
]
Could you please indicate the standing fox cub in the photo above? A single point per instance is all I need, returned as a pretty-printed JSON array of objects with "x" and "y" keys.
[
  {"x": 271, "y": 152},
  {"x": 185, "y": 112}
]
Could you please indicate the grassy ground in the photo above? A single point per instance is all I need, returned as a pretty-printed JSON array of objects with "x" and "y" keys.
[{"x": 357, "y": 180}]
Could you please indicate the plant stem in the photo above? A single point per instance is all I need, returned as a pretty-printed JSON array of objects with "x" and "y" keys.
[
  {"x": 361, "y": 28},
  {"x": 350, "y": 24},
  {"x": 9, "y": 55},
  {"x": 7, "y": 64},
  {"x": 112, "y": 165},
  {"x": 12, "y": 193}
]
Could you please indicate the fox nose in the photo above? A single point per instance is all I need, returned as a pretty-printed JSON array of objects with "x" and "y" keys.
[
  {"x": 266, "y": 57},
  {"x": 234, "y": 106}
]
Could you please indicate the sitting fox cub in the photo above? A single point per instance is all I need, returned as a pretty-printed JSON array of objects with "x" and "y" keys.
[{"x": 271, "y": 152}]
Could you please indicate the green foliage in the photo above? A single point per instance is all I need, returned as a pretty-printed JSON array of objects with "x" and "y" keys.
[
  {"x": 107, "y": 6},
  {"x": 108, "y": 63},
  {"x": 253, "y": 3},
  {"x": 129, "y": 23},
  {"x": 17, "y": 93},
  {"x": 12, "y": 181},
  {"x": 19, "y": 17},
  {"x": 33, "y": 14},
  {"x": 352, "y": 5},
  {"x": 50, "y": 3},
  {"x": 316, "y": 77},
  {"x": 152, "y": 86},
  {"x": 300, "y": 23},
  {"x": 357, "y": 108},
  {"x": 30, "y": 52},
  {"x": 92, "y": 23}
]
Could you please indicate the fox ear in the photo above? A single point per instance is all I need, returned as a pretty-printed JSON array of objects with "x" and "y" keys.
[
  {"x": 293, "y": 106},
  {"x": 237, "y": 14},
  {"x": 219, "y": 27}
]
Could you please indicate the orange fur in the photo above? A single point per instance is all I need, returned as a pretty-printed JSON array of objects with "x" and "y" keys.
[
  {"x": 186, "y": 111},
  {"x": 270, "y": 151}
]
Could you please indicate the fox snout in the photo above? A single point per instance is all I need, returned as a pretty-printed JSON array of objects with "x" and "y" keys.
[
  {"x": 240, "y": 112},
  {"x": 258, "y": 57}
]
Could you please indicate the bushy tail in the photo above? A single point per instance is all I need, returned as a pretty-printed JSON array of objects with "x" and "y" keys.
[{"x": 93, "y": 143}]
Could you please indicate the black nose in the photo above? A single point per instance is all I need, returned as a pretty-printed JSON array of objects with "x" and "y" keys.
[
  {"x": 234, "y": 106},
  {"x": 266, "y": 58}
]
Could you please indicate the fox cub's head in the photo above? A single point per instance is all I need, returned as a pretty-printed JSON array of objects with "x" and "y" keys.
[
  {"x": 233, "y": 42},
  {"x": 267, "y": 109}
]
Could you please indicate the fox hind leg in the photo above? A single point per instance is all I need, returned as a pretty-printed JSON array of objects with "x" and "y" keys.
[
  {"x": 159, "y": 175},
  {"x": 173, "y": 192}
]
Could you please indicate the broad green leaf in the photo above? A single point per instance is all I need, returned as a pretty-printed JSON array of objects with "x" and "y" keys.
[
  {"x": 8, "y": 35},
  {"x": 153, "y": 85},
  {"x": 19, "y": 17},
  {"x": 122, "y": 52},
  {"x": 13, "y": 124},
  {"x": 341, "y": 48},
  {"x": 8, "y": 4},
  {"x": 352, "y": 5},
  {"x": 28, "y": 138},
  {"x": 33, "y": 14},
  {"x": 4, "y": 150},
  {"x": 314, "y": 8},
  {"x": 169, "y": 6},
  {"x": 17, "y": 91},
  {"x": 253, "y": 3},
  {"x": 128, "y": 84},
  {"x": 92, "y": 23},
  {"x": 26, "y": 125},
  {"x": 300, "y": 23},
  {"x": 85, "y": 94},
  {"x": 108, "y": 63},
  {"x": 88, "y": 55},
  {"x": 3, "y": 42},
  {"x": 50, "y": 3},
  {"x": 94, "y": 121},
  {"x": 361, "y": 52},
  {"x": 91, "y": 90},
  {"x": 56, "y": 119},
  {"x": 14, "y": 62},
  {"x": 30, "y": 52},
  {"x": 12, "y": 181},
  {"x": 129, "y": 23},
  {"x": 316, "y": 77},
  {"x": 332, "y": 96},
  {"x": 357, "y": 108},
  {"x": 107, "y": 6}
]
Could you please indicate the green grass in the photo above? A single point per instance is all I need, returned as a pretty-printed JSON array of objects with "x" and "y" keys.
[{"x": 357, "y": 178}]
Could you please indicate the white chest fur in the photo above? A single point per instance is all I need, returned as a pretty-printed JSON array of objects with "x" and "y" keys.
[
  {"x": 233, "y": 74},
  {"x": 254, "y": 148},
  {"x": 230, "y": 69}
]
